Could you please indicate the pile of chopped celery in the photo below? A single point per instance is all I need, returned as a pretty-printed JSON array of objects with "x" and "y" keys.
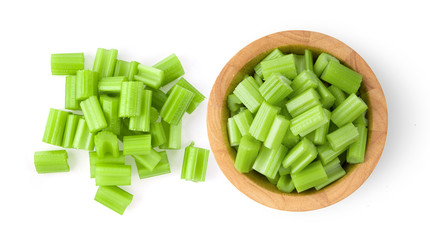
[
  {"x": 297, "y": 122},
  {"x": 121, "y": 101}
]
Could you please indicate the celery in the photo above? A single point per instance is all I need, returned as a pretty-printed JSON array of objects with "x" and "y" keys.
[
  {"x": 298, "y": 151},
  {"x": 303, "y": 102},
  {"x": 94, "y": 159},
  {"x": 149, "y": 160},
  {"x": 112, "y": 174},
  {"x": 114, "y": 198},
  {"x": 290, "y": 140},
  {"x": 51, "y": 161},
  {"x": 313, "y": 175},
  {"x": 162, "y": 167},
  {"x": 277, "y": 132},
  {"x": 338, "y": 94},
  {"x": 284, "y": 171},
  {"x": 198, "y": 96},
  {"x": 71, "y": 102},
  {"x": 348, "y": 110},
  {"x": 172, "y": 68},
  {"x": 176, "y": 104},
  {"x": 300, "y": 62},
  {"x": 285, "y": 184},
  {"x": 275, "y": 88},
  {"x": 258, "y": 80},
  {"x": 327, "y": 154},
  {"x": 106, "y": 143},
  {"x": 305, "y": 80},
  {"x": 246, "y": 154},
  {"x": 66, "y": 63},
  {"x": 285, "y": 65},
  {"x": 93, "y": 114},
  {"x": 110, "y": 106},
  {"x": 158, "y": 136},
  {"x": 130, "y": 99},
  {"x": 173, "y": 135},
  {"x": 195, "y": 163},
  {"x": 125, "y": 69},
  {"x": 83, "y": 138},
  {"x": 343, "y": 137},
  {"x": 234, "y": 134},
  {"x": 342, "y": 77},
  {"x": 327, "y": 99},
  {"x": 111, "y": 84},
  {"x": 309, "y": 61},
  {"x": 274, "y": 180},
  {"x": 150, "y": 76},
  {"x": 137, "y": 144},
  {"x": 158, "y": 98},
  {"x": 357, "y": 150},
  {"x": 304, "y": 160},
  {"x": 247, "y": 92},
  {"x": 262, "y": 122},
  {"x": 272, "y": 55},
  {"x": 86, "y": 84},
  {"x": 334, "y": 171},
  {"x": 269, "y": 161},
  {"x": 104, "y": 63},
  {"x": 143, "y": 121},
  {"x": 70, "y": 130},
  {"x": 55, "y": 126},
  {"x": 362, "y": 119},
  {"x": 243, "y": 121},
  {"x": 154, "y": 114},
  {"x": 233, "y": 103},
  {"x": 321, "y": 132},
  {"x": 322, "y": 61},
  {"x": 308, "y": 121}
]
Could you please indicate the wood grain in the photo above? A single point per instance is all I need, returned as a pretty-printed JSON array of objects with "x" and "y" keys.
[{"x": 256, "y": 186}]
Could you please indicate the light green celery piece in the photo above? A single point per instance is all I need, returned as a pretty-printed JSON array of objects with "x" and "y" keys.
[
  {"x": 342, "y": 77},
  {"x": 309, "y": 60},
  {"x": 327, "y": 99},
  {"x": 130, "y": 99},
  {"x": 322, "y": 61},
  {"x": 269, "y": 161},
  {"x": 343, "y": 137},
  {"x": 334, "y": 171},
  {"x": 150, "y": 76},
  {"x": 125, "y": 69},
  {"x": 276, "y": 88},
  {"x": 172, "y": 68},
  {"x": 234, "y": 134},
  {"x": 305, "y": 80},
  {"x": 248, "y": 93},
  {"x": 327, "y": 154},
  {"x": 285, "y": 184},
  {"x": 338, "y": 94},
  {"x": 158, "y": 98},
  {"x": 348, "y": 110},
  {"x": 286, "y": 65},
  {"x": 158, "y": 136},
  {"x": 246, "y": 153},
  {"x": 308, "y": 121},
  {"x": 84, "y": 139},
  {"x": 66, "y": 63},
  {"x": 55, "y": 126},
  {"x": 272, "y": 55},
  {"x": 162, "y": 167},
  {"x": 274, "y": 180},
  {"x": 357, "y": 150},
  {"x": 300, "y": 149},
  {"x": 51, "y": 161},
  {"x": 114, "y": 198},
  {"x": 93, "y": 114},
  {"x": 243, "y": 121},
  {"x": 105, "y": 61},
  {"x": 233, "y": 103},
  {"x": 112, "y": 174},
  {"x": 176, "y": 104},
  {"x": 319, "y": 137},
  {"x": 173, "y": 135},
  {"x": 263, "y": 120},
  {"x": 111, "y": 85},
  {"x": 362, "y": 119},
  {"x": 124, "y": 131},
  {"x": 86, "y": 84},
  {"x": 198, "y": 96},
  {"x": 137, "y": 144},
  {"x": 154, "y": 114},
  {"x": 284, "y": 171},
  {"x": 70, "y": 130},
  {"x": 71, "y": 102},
  {"x": 106, "y": 143},
  {"x": 143, "y": 121},
  {"x": 313, "y": 175},
  {"x": 150, "y": 160},
  {"x": 303, "y": 102},
  {"x": 94, "y": 159},
  {"x": 258, "y": 80},
  {"x": 304, "y": 160},
  {"x": 290, "y": 140},
  {"x": 277, "y": 132},
  {"x": 110, "y": 107},
  {"x": 195, "y": 163},
  {"x": 300, "y": 62}
]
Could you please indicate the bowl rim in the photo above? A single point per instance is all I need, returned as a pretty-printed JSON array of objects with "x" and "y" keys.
[{"x": 248, "y": 184}]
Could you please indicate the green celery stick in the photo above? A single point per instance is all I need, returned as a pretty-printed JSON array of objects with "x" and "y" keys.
[
  {"x": 162, "y": 167},
  {"x": 125, "y": 69},
  {"x": 342, "y": 77},
  {"x": 309, "y": 60},
  {"x": 258, "y": 80},
  {"x": 111, "y": 85},
  {"x": 172, "y": 68},
  {"x": 198, "y": 96},
  {"x": 285, "y": 65},
  {"x": 357, "y": 150},
  {"x": 234, "y": 134},
  {"x": 173, "y": 135},
  {"x": 362, "y": 119},
  {"x": 66, "y": 63},
  {"x": 105, "y": 61},
  {"x": 195, "y": 163},
  {"x": 110, "y": 107},
  {"x": 84, "y": 139},
  {"x": 114, "y": 198},
  {"x": 94, "y": 159},
  {"x": 54, "y": 128},
  {"x": 269, "y": 161},
  {"x": 304, "y": 160},
  {"x": 262, "y": 122},
  {"x": 272, "y": 55},
  {"x": 308, "y": 121},
  {"x": 176, "y": 104},
  {"x": 112, "y": 174},
  {"x": 277, "y": 132},
  {"x": 71, "y": 102},
  {"x": 322, "y": 61},
  {"x": 290, "y": 140},
  {"x": 348, "y": 110},
  {"x": 158, "y": 136},
  {"x": 300, "y": 149},
  {"x": 305, "y": 80},
  {"x": 150, "y": 160},
  {"x": 243, "y": 121},
  {"x": 343, "y": 137},
  {"x": 248, "y": 94},
  {"x": 275, "y": 88},
  {"x": 150, "y": 76},
  {"x": 284, "y": 171},
  {"x": 106, "y": 143},
  {"x": 274, "y": 180},
  {"x": 51, "y": 161},
  {"x": 327, "y": 154},
  {"x": 300, "y": 62},
  {"x": 321, "y": 132},
  {"x": 70, "y": 130},
  {"x": 285, "y": 184},
  {"x": 338, "y": 94},
  {"x": 246, "y": 154},
  {"x": 327, "y": 99},
  {"x": 233, "y": 103},
  {"x": 86, "y": 84},
  {"x": 158, "y": 98},
  {"x": 143, "y": 121},
  {"x": 154, "y": 114},
  {"x": 130, "y": 99},
  {"x": 93, "y": 114},
  {"x": 303, "y": 102},
  {"x": 137, "y": 144},
  {"x": 334, "y": 171},
  {"x": 313, "y": 175}
]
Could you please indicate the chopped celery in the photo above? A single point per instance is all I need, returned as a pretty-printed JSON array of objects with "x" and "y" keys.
[
  {"x": 233, "y": 103},
  {"x": 106, "y": 143},
  {"x": 158, "y": 136},
  {"x": 342, "y": 77},
  {"x": 176, "y": 104},
  {"x": 327, "y": 99},
  {"x": 308, "y": 121},
  {"x": 51, "y": 161},
  {"x": 338, "y": 94},
  {"x": 149, "y": 160},
  {"x": 327, "y": 154},
  {"x": 284, "y": 171},
  {"x": 114, "y": 198},
  {"x": 262, "y": 122},
  {"x": 274, "y": 180},
  {"x": 272, "y": 55},
  {"x": 269, "y": 161},
  {"x": 305, "y": 80},
  {"x": 195, "y": 163},
  {"x": 300, "y": 62},
  {"x": 172, "y": 68},
  {"x": 343, "y": 137},
  {"x": 71, "y": 102},
  {"x": 93, "y": 114},
  {"x": 313, "y": 175},
  {"x": 285, "y": 65},
  {"x": 247, "y": 92},
  {"x": 137, "y": 144},
  {"x": 303, "y": 102},
  {"x": 198, "y": 96},
  {"x": 162, "y": 167},
  {"x": 111, "y": 84},
  {"x": 94, "y": 159},
  {"x": 104, "y": 63},
  {"x": 84, "y": 139},
  {"x": 112, "y": 174},
  {"x": 130, "y": 99},
  {"x": 154, "y": 114},
  {"x": 309, "y": 60},
  {"x": 285, "y": 184},
  {"x": 304, "y": 160},
  {"x": 86, "y": 84},
  {"x": 290, "y": 140},
  {"x": 357, "y": 150},
  {"x": 300, "y": 149},
  {"x": 150, "y": 76},
  {"x": 348, "y": 110},
  {"x": 258, "y": 80},
  {"x": 362, "y": 119},
  {"x": 158, "y": 98},
  {"x": 173, "y": 135},
  {"x": 334, "y": 171},
  {"x": 66, "y": 63},
  {"x": 277, "y": 132},
  {"x": 70, "y": 130},
  {"x": 322, "y": 61},
  {"x": 275, "y": 88},
  {"x": 246, "y": 154},
  {"x": 234, "y": 134},
  {"x": 243, "y": 121},
  {"x": 321, "y": 132},
  {"x": 143, "y": 121},
  {"x": 125, "y": 69},
  {"x": 54, "y": 128},
  {"x": 110, "y": 106}
]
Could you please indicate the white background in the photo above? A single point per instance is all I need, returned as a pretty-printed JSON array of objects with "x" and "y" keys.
[{"x": 392, "y": 36}]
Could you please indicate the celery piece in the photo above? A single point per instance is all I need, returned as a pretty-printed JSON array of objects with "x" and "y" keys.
[
  {"x": 149, "y": 160},
  {"x": 303, "y": 102},
  {"x": 71, "y": 102},
  {"x": 327, "y": 154},
  {"x": 150, "y": 76},
  {"x": 84, "y": 139},
  {"x": 173, "y": 135},
  {"x": 112, "y": 174},
  {"x": 124, "y": 131},
  {"x": 104, "y": 63},
  {"x": 300, "y": 62},
  {"x": 342, "y": 77},
  {"x": 234, "y": 134},
  {"x": 277, "y": 132},
  {"x": 172, "y": 68},
  {"x": 106, "y": 143},
  {"x": 309, "y": 60},
  {"x": 176, "y": 104},
  {"x": 154, "y": 114},
  {"x": 308, "y": 121},
  {"x": 343, "y": 137},
  {"x": 233, "y": 103},
  {"x": 70, "y": 130},
  {"x": 304, "y": 160},
  {"x": 130, "y": 99},
  {"x": 258, "y": 80},
  {"x": 274, "y": 180},
  {"x": 269, "y": 161},
  {"x": 313, "y": 175},
  {"x": 125, "y": 69},
  {"x": 51, "y": 161},
  {"x": 322, "y": 61},
  {"x": 348, "y": 110},
  {"x": 305, "y": 80},
  {"x": 290, "y": 140},
  {"x": 94, "y": 159},
  {"x": 162, "y": 167},
  {"x": 284, "y": 171},
  {"x": 334, "y": 171},
  {"x": 111, "y": 85},
  {"x": 357, "y": 150},
  {"x": 262, "y": 122},
  {"x": 246, "y": 154},
  {"x": 93, "y": 114},
  {"x": 286, "y": 65},
  {"x": 327, "y": 99},
  {"x": 86, "y": 84},
  {"x": 137, "y": 144},
  {"x": 114, "y": 198},
  {"x": 275, "y": 88},
  {"x": 319, "y": 137},
  {"x": 66, "y": 63},
  {"x": 143, "y": 121},
  {"x": 338, "y": 94},
  {"x": 54, "y": 128},
  {"x": 243, "y": 121},
  {"x": 158, "y": 98},
  {"x": 198, "y": 96},
  {"x": 362, "y": 119},
  {"x": 110, "y": 107},
  {"x": 195, "y": 163},
  {"x": 247, "y": 92},
  {"x": 285, "y": 184},
  {"x": 300, "y": 149},
  {"x": 158, "y": 136},
  {"x": 272, "y": 55}
]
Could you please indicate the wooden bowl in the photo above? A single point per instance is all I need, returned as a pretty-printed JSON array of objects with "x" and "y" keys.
[{"x": 255, "y": 185}]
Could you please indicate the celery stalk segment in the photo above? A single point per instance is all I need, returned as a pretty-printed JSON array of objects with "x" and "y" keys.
[
  {"x": 195, "y": 163},
  {"x": 248, "y": 93},
  {"x": 114, "y": 198},
  {"x": 246, "y": 154},
  {"x": 51, "y": 161},
  {"x": 66, "y": 63},
  {"x": 262, "y": 122}
]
